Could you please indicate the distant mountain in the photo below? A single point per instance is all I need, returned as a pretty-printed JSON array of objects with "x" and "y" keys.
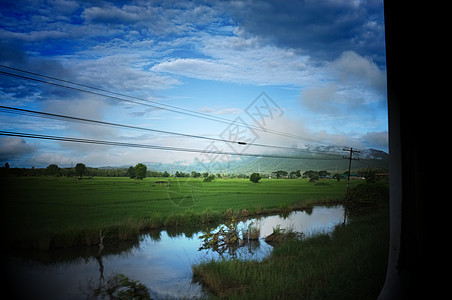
[{"x": 314, "y": 159}]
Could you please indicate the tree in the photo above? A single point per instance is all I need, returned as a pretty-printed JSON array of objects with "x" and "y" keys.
[
  {"x": 309, "y": 174},
  {"x": 195, "y": 174},
  {"x": 295, "y": 174},
  {"x": 209, "y": 178},
  {"x": 280, "y": 174},
  {"x": 154, "y": 174},
  {"x": 255, "y": 177},
  {"x": 53, "y": 170},
  {"x": 80, "y": 170},
  {"x": 131, "y": 172},
  {"x": 140, "y": 171},
  {"x": 165, "y": 174},
  {"x": 323, "y": 173}
]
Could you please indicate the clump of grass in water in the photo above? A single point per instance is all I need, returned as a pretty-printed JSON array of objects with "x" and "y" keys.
[
  {"x": 281, "y": 235},
  {"x": 252, "y": 233}
]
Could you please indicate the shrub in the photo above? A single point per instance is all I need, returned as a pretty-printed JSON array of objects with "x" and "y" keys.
[
  {"x": 370, "y": 192},
  {"x": 314, "y": 178},
  {"x": 255, "y": 177},
  {"x": 209, "y": 178}
]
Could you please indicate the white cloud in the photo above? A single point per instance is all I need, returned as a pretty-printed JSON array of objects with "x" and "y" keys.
[
  {"x": 321, "y": 99},
  {"x": 197, "y": 68},
  {"x": 221, "y": 111},
  {"x": 118, "y": 72},
  {"x": 351, "y": 68},
  {"x": 239, "y": 60},
  {"x": 377, "y": 140},
  {"x": 33, "y": 36},
  {"x": 92, "y": 108},
  {"x": 115, "y": 15},
  {"x": 12, "y": 147},
  {"x": 47, "y": 158},
  {"x": 354, "y": 85}
]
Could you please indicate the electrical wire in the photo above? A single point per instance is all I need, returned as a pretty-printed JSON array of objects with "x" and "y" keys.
[
  {"x": 147, "y": 146},
  {"x": 27, "y": 112},
  {"x": 145, "y": 102},
  {"x": 121, "y": 97}
]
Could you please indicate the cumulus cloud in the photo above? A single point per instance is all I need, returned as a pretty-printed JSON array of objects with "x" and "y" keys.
[
  {"x": 47, "y": 158},
  {"x": 244, "y": 60},
  {"x": 355, "y": 84},
  {"x": 322, "y": 99},
  {"x": 197, "y": 68},
  {"x": 113, "y": 15},
  {"x": 12, "y": 147},
  {"x": 92, "y": 108},
  {"x": 116, "y": 72},
  {"x": 378, "y": 140},
  {"x": 351, "y": 67},
  {"x": 159, "y": 19}
]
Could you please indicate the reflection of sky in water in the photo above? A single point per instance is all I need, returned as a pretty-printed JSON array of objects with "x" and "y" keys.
[
  {"x": 163, "y": 265},
  {"x": 320, "y": 220}
]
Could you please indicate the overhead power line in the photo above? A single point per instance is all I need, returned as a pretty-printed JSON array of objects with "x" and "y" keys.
[
  {"x": 27, "y": 112},
  {"x": 147, "y": 146},
  {"x": 145, "y": 102}
]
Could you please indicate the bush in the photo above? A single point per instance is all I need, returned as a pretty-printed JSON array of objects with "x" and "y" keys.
[
  {"x": 370, "y": 192},
  {"x": 209, "y": 178},
  {"x": 255, "y": 177},
  {"x": 314, "y": 178}
]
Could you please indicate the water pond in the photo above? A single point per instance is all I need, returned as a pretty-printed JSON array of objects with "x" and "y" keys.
[{"x": 161, "y": 260}]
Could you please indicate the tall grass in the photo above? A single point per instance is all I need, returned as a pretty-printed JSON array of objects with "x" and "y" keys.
[{"x": 348, "y": 264}]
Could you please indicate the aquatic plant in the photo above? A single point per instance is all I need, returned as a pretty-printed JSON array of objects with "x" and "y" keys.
[
  {"x": 224, "y": 240},
  {"x": 251, "y": 233},
  {"x": 281, "y": 235}
]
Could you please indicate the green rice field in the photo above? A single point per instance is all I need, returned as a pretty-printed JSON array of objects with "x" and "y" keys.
[{"x": 63, "y": 211}]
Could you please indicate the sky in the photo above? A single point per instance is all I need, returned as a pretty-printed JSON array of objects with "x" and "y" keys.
[{"x": 275, "y": 76}]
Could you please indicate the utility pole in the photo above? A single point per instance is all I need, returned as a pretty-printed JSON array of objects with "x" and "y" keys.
[{"x": 350, "y": 158}]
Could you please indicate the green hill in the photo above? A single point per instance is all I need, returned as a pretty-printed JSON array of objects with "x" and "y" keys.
[{"x": 310, "y": 161}]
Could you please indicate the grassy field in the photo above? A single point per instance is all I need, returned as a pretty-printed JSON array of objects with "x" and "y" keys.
[{"x": 58, "y": 211}]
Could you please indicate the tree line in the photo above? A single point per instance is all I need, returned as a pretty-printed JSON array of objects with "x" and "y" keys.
[
  {"x": 79, "y": 170},
  {"x": 313, "y": 175},
  {"x": 140, "y": 171}
]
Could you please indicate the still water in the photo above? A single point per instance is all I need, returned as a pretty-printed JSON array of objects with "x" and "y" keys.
[{"x": 161, "y": 260}]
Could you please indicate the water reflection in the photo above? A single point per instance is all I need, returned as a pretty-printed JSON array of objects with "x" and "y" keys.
[
  {"x": 160, "y": 260},
  {"x": 320, "y": 219}
]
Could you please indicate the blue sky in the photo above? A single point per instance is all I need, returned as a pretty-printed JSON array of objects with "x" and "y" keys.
[{"x": 314, "y": 70}]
